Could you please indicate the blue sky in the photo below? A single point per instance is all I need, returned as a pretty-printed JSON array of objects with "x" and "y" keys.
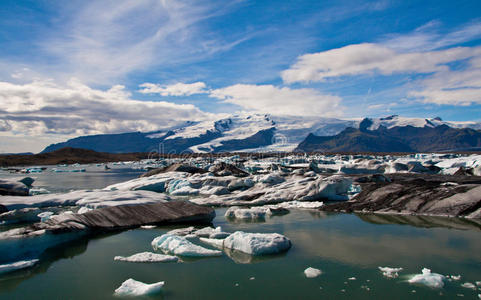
[{"x": 71, "y": 68}]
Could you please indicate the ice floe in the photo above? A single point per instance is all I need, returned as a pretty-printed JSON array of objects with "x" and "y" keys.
[
  {"x": 257, "y": 243},
  {"x": 428, "y": 278},
  {"x": 312, "y": 272},
  {"x": 469, "y": 285},
  {"x": 147, "y": 257},
  {"x": 390, "y": 272},
  {"x": 132, "y": 287},
  {"x": 178, "y": 245},
  {"x": 17, "y": 265}
]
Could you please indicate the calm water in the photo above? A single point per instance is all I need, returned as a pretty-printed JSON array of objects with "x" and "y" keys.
[{"x": 341, "y": 245}]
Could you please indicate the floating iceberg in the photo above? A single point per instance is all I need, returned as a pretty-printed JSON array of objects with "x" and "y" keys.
[
  {"x": 390, "y": 272},
  {"x": 429, "y": 279},
  {"x": 257, "y": 243},
  {"x": 17, "y": 265},
  {"x": 312, "y": 272},
  {"x": 146, "y": 257},
  {"x": 216, "y": 243},
  {"x": 469, "y": 285},
  {"x": 253, "y": 213},
  {"x": 178, "y": 245},
  {"x": 132, "y": 287}
]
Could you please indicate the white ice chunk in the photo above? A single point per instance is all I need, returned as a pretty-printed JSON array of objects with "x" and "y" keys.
[
  {"x": 17, "y": 265},
  {"x": 455, "y": 277},
  {"x": 45, "y": 216},
  {"x": 257, "y": 243},
  {"x": 312, "y": 272},
  {"x": 352, "y": 278},
  {"x": 390, "y": 272},
  {"x": 469, "y": 285},
  {"x": 178, "y": 245},
  {"x": 216, "y": 243},
  {"x": 132, "y": 287},
  {"x": 147, "y": 257},
  {"x": 253, "y": 213},
  {"x": 429, "y": 279},
  {"x": 148, "y": 227}
]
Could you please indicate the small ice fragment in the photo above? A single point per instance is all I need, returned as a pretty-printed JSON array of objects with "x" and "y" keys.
[
  {"x": 132, "y": 287},
  {"x": 413, "y": 291},
  {"x": 343, "y": 290},
  {"x": 429, "y": 279},
  {"x": 17, "y": 265},
  {"x": 390, "y": 272},
  {"x": 468, "y": 285},
  {"x": 45, "y": 216},
  {"x": 351, "y": 278},
  {"x": 460, "y": 295},
  {"x": 312, "y": 272},
  {"x": 147, "y": 257},
  {"x": 236, "y": 284},
  {"x": 148, "y": 227},
  {"x": 478, "y": 283},
  {"x": 455, "y": 277},
  {"x": 252, "y": 278}
]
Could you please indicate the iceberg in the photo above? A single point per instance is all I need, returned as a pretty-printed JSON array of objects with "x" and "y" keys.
[
  {"x": 17, "y": 265},
  {"x": 147, "y": 257},
  {"x": 253, "y": 213},
  {"x": 312, "y": 272},
  {"x": 216, "y": 243},
  {"x": 469, "y": 285},
  {"x": 390, "y": 272},
  {"x": 257, "y": 243},
  {"x": 132, "y": 287},
  {"x": 178, "y": 245},
  {"x": 432, "y": 280}
]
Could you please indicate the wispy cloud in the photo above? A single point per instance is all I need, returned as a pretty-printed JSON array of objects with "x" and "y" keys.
[
  {"x": 103, "y": 41},
  {"x": 177, "y": 89}
]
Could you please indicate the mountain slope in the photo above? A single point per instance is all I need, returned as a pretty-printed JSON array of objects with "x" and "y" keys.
[
  {"x": 262, "y": 132},
  {"x": 395, "y": 139}
]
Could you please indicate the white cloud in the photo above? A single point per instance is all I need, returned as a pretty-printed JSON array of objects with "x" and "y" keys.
[
  {"x": 459, "y": 87},
  {"x": 40, "y": 108},
  {"x": 178, "y": 89},
  {"x": 428, "y": 37},
  {"x": 370, "y": 58},
  {"x": 280, "y": 100},
  {"x": 100, "y": 42}
]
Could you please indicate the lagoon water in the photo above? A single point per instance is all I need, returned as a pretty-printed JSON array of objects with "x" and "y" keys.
[{"x": 341, "y": 245}]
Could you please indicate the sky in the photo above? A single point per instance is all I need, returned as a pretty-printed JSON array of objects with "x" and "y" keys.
[{"x": 79, "y": 67}]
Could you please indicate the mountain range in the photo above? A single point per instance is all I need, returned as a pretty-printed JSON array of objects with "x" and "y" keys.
[{"x": 267, "y": 133}]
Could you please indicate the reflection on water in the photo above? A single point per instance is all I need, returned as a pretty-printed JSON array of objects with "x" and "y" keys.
[
  {"x": 423, "y": 221},
  {"x": 341, "y": 245}
]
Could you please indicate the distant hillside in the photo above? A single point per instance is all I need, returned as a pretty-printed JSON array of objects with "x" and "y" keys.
[
  {"x": 67, "y": 156},
  {"x": 395, "y": 139},
  {"x": 252, "y": 133}
]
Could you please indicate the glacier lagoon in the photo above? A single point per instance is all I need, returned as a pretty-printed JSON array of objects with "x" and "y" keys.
[{"x": 343, "y": 246}]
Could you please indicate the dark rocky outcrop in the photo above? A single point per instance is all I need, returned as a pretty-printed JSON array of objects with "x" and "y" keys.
[
  {"x": 175, "y": 168},
  {"x": 225, "y": 169},
  {"x": 417, "y": 194}
]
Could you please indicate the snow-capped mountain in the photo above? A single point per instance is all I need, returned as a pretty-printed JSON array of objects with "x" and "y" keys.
[{"x": 244, "y": 132}]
